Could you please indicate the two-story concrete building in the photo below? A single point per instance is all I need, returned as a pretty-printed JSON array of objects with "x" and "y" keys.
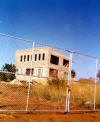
[{"x": 44, "y": 62}]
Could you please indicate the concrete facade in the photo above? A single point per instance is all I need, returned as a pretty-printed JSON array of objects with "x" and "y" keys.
[{"x": 42, "y": 63}]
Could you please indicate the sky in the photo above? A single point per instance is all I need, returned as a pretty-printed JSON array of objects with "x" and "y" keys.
[{"x": 69, "y": 24}]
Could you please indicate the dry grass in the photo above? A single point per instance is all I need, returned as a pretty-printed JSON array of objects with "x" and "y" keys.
[
  {"x": 82, "y": 92},
  {"x": 48, "y": 92}
]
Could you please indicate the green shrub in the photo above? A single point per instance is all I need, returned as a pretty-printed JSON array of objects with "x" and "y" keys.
[
  {"x": 6, "y": 77},
  {"x": 3, "y": 76}
]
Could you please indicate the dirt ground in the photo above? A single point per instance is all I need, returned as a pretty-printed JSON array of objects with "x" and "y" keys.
[
  {"x": 50, "y": 117},
  {"x": 13, "y": 98}
]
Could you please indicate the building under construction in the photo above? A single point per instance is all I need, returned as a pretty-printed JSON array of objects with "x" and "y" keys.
[{"x": 44, "y": 63}]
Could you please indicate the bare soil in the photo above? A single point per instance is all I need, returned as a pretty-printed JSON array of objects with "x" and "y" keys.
[{"x": 50, "y": 117}]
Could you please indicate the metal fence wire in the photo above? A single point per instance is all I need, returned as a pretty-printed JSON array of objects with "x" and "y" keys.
[{"x": 40, "y": 78}]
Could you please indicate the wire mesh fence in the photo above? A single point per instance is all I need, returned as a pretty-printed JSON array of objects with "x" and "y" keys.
[
  {"x": 82, "y": 86},
  {"x": 38, "y": 77},
  {"x": 13, "y": 95},
  {"x": 50, "y": 91}
]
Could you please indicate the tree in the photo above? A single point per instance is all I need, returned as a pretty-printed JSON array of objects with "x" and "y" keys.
[
  {"x": 73, "y": 73},
  {"x": 8, "y": 76},
  {"x": 98, "y": 75},
  {"x": 3, "y": 76},
  {"x": 9, "y": 68}
]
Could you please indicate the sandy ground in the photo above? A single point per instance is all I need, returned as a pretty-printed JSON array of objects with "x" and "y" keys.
[{"x": 50, "y": 117}]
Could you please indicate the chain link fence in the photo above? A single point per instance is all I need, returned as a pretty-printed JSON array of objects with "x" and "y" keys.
[{"x": 38, "y": 77}]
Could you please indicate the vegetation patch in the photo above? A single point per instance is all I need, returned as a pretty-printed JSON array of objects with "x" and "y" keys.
[{"x": 8, "y": 76}]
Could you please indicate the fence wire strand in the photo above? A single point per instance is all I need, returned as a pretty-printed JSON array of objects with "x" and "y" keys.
[{"x": 81, "y": 93}]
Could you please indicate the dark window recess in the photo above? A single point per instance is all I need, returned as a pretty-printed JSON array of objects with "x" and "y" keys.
[
  {"x": 43, "y": 57},
  {"x": 24, "y": 58},
  {"x": 21, "y": 58},
  {"x": 28, "y": 71},
  {"x": 53, "y": 73},
  {"x": 65, "y": 62},
  {"x": 39, "y": 56},
  {"x": 35, "y": 57},
  {"x": 54, "y": 59},
  {"x": 28, "y": 58}
]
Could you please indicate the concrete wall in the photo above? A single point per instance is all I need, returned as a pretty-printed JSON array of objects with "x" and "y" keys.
[
  {"x": 61, "y": 69},
  {"x": 43, "y": 65}
]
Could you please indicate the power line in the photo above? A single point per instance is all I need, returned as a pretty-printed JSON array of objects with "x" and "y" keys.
[
  {"x": 14, "y": 37},
  {"x": 75, "y": 52}
]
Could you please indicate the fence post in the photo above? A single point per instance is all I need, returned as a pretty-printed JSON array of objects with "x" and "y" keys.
[
  {"x": 95, "y": 84},
  {"x": 28, "y": 94},
  {"x": 68, "y": 84}
]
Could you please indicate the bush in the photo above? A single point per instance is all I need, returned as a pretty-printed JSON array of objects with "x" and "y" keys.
[
  {"x": 3, "y": 77},
  {"x": 6, "y": 77}
]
